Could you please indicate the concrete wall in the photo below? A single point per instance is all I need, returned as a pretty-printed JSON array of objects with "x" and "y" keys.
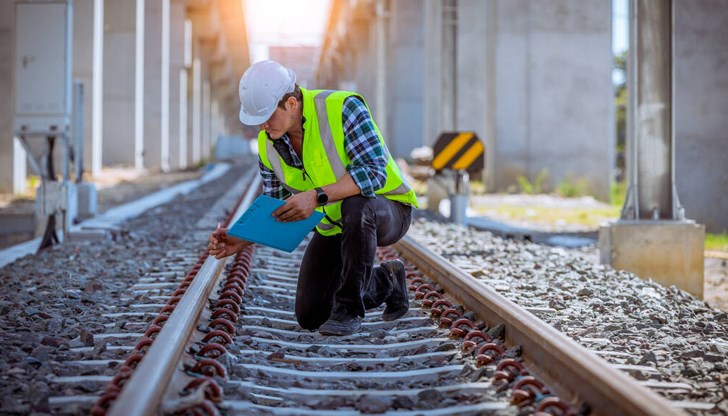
[
  {"x": 554, "y": 92},
  {"x": 701, "y": 105},
  {"x": 7, "y": 52},
  {"x": 119, "y": 82},
  {"x": 405, "y": 94}
]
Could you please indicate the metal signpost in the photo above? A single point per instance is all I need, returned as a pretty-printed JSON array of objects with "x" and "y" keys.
[{"x": 457, "y": 155}]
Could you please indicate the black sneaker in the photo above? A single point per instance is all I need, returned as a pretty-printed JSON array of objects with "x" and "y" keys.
[
  {"x": 398, "y": 301},
  {"x": 341, "y": 322}
]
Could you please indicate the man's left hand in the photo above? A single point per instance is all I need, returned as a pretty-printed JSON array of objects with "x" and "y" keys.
[{"x": 297, "y": 207}]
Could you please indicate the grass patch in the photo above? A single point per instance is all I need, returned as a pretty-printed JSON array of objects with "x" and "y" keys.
[
  {"x": 716, "y": 242},
  {"x": 552, "y": 217}
]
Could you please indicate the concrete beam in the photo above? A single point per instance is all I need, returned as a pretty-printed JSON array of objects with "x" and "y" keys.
[{"x": 7, "y": 79}]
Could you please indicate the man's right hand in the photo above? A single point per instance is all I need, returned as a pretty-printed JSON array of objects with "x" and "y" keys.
[{"x": 223, "y": 245}]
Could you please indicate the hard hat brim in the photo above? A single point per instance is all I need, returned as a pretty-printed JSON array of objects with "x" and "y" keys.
[{"x": 250, "y": 120}]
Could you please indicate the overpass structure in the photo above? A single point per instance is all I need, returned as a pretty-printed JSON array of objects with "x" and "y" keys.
[{"x": 159, "y": 76}]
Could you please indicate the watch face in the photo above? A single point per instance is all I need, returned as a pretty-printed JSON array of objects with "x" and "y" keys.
[{"x": 321, "y": 197}]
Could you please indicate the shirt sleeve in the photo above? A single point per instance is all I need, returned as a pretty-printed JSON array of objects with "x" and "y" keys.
[
  {"x": 367, "y": 153},
  {"x": 272, "y": 186}
]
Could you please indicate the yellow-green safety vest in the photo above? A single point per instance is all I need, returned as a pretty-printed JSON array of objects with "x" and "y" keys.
[{"x": 325, "y": 159}]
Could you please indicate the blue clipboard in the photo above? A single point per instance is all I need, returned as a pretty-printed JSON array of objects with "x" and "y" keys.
[{"x": 258, "y": 225}]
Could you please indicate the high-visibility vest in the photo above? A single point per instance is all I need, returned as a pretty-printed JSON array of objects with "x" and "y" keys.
[{"x": 325, "y": 158}]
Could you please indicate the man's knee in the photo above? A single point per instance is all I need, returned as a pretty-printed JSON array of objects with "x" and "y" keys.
[{"x": 356, "y": 207}]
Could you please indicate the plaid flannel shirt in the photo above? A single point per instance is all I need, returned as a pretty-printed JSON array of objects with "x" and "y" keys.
[{"x": 367, "y": 154}]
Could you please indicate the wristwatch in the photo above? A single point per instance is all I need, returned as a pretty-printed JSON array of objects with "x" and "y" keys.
[{"x": 321, "y": 197}]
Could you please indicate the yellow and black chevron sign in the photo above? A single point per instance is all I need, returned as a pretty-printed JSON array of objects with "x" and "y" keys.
[{"x": 458, "y": 151}]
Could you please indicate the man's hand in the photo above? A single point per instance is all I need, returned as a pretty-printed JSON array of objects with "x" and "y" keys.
[
  {"x": 297, "y": 207},
  {"x": 223, "y": 245}
]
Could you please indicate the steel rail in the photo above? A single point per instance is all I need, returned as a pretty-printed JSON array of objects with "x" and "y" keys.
[
  {"x": 143, "y": 392},
  {"x": 557, "y": 359}
]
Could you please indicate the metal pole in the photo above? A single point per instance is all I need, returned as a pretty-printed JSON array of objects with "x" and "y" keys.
[
  {"x": 78, "y": 133},
  {"x": 653, "y": 111}
]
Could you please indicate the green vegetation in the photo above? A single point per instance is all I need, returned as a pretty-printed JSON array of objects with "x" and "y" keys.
[
  {"x": 537, "y": 187},
  {"x": 617, "y": 193},
  {"x": 716, "y": 242},
  {"x": 569, "y": 188}
]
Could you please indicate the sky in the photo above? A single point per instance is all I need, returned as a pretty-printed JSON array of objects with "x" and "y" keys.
[
  {"x": 620, "y": 40},
  {"x": 284, "y": 22}
]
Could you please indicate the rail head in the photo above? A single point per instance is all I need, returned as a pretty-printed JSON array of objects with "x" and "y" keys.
[
  {"x": 560, "y": 360},
  {"x": 143, "y": 392}
]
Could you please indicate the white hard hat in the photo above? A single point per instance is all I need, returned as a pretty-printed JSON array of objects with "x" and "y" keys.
[{"x": 261, "y": 87}]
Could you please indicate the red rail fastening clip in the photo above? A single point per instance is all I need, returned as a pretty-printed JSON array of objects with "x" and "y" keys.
[
  {"x": 174, "y": 300},
  {"x": 473, "y": 338},
  {"x": 236, "y": 281},
  {"x": 461, "y": 327},
  {"x": 153, "y": 331},
  {"x": 429, "y": 298},
  {"x": 416, "y": 282},
  {"x": 224, "y": 337},
  {"x": 223, "y": 324},
  {"x": 212, "y": 350},
  {"x": 179, "y": 292},
  {"x": 230, "y": 294},
  {"x": 226, "y": 313},
  {"x": 448, "y": 316},
  {"x": 233, "y": 287},
  {"x": 422, "y": 290},
  {"x": 439, "y": 306},
  {"x": 160, "y": 320},
  {"x": 133, "y": 360},
  {"x": 143, "y": 344},
  {"x": 488, "y": 353},
  {"x": 525, "y": 391},
  {"x": 554, "y": 406},
  {"x": 104, "y": 402},
  {"x": 506, "y": 371},
  {"x": 209, "y": 368},
  {"x": 227, "y": 303},
  {"x": 212, "y": 390}
]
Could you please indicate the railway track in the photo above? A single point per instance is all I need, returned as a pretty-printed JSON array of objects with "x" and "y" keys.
[{"x": 226, "y": 340}]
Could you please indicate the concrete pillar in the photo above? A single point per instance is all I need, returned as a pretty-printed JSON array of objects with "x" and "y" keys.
[
  {"x": 196, "y": 104},
  {"x": 476, "y": 62},
  {"x": 88, "y": 39},
  {"x": 121, "y": 132},
  {"x": 156, "y": 116},
  {"x": 652, "y": 239},
  {"x": 701, "y": 103},
  {"x": 176, "y": 67},
  {"x": 205, "y": 122},
  {"x": 8, "y": 149}
]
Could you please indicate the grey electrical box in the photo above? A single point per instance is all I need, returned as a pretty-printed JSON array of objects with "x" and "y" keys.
[{"x": 43, "y": 64}]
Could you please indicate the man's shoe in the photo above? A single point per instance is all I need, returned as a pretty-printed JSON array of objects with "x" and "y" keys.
[
  {"x": 341, "y": 322},
  {"x": 398, "y": 301}
]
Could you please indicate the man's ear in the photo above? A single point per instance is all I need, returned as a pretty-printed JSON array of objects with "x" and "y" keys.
[{"x": 291, "y": 103}]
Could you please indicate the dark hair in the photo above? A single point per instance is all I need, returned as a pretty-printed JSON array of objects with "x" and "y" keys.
[{"x": 296, "y": 94}]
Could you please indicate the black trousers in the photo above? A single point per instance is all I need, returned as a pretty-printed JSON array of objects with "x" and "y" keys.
[{"x": 340, "y": 270}]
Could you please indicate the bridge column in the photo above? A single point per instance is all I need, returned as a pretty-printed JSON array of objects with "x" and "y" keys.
[{"x": 652, "y": 238}]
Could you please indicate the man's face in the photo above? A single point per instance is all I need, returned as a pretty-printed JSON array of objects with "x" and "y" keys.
[{"x": 278, "y": 123}]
